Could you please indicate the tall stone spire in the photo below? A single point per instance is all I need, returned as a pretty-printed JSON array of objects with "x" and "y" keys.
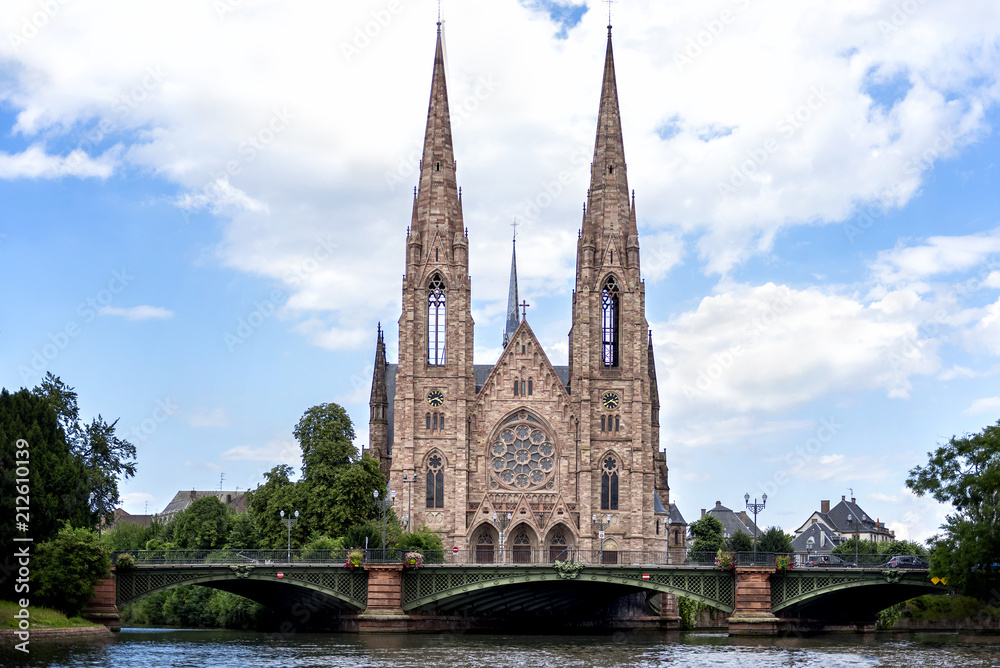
[
  {"x": 378, "y": 423},
  {"x": 511, "y": 297},
  {"x": 608, "y": 206},
  {"x": 437, "y": 209}
]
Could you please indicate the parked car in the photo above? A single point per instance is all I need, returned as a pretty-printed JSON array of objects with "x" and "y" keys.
[
  {"x": 905, "y": 561},
  {"x": 829, "y": 560}
]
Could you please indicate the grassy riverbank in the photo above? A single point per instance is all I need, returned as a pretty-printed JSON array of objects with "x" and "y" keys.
[{"x": 41, "y": 618}]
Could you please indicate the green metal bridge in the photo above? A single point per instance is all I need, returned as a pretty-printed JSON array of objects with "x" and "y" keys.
[{"x": 293, "y": 581}]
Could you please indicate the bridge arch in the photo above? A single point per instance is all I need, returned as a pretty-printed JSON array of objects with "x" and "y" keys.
[
  {"x": 512, "y": 589},
  {"x": 845, "y": 593},
  {"x": 328, "y": 589}
]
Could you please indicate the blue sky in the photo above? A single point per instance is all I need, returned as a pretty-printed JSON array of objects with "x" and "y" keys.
[{"x": 203, "y": 208}]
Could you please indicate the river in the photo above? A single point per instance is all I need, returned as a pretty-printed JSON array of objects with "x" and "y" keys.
[{"x": 162, "y": 648}]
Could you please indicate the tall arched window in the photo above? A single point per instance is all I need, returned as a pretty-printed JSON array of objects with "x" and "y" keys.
[
  {"x": 435, "y": 481},
  {"x": 609, "y": 322},
  {"x": 609, "y": 484},
  {"x": 436, "y": 316}
]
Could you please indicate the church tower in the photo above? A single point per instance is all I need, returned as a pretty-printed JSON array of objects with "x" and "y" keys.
[
  {"x": 434, "y": 377},
  {"x": 611, "y": 367},
  {"x": 520, "y": 455}
]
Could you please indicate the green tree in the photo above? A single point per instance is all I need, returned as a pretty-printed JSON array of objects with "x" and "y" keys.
[
  {"x": 106, "y": 457},
  {"x": 774, "y": 540},
  {"x": 66, "y": 568},
  {"x": 128, "y": 537},
  {"x": 740, "y": 542},
  {"x": 56, "y": 478},
  {"x": 242, "y": 532},
  {"x": 707, "y": 534},
  {"x": 265, "y": 503},
  {"x": 325, "y": 434},
  {"x": 964, "y": 472},
  {"x": 204, "y": 525}
]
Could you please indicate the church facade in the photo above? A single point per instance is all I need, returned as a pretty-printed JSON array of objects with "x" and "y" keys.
[{"x": 553, "y": 447}]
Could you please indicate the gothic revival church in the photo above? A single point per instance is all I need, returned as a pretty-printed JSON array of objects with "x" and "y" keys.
[{"x": 553, "y": 446}]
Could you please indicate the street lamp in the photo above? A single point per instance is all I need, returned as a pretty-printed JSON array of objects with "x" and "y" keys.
[
  {"x": 857, "y": 536},
  {"x": 755, "y": 508},
  {"x": 409, "y": 505},
  {"x": 290, "y": 522},
  {"x": 383, "y": 507},
  {"x": 501, "y": 522},
  {"x": 601, "y": 523}
]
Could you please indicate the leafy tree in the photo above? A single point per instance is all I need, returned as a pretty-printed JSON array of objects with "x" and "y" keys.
[
  {"x": 846, "y": 551},
  {"x": 56, "y": 479},
  {"x": 964, "y": 472},
  {"x": 265, "y": 503},
  {"x": 67, "y": 567},
  {"x": 707, "y": 534},
  {"x": 325, "y": 434},
  {"x": 242, "y": 532},
  {"x": 127, "y": 536},
  {"x": 740, "y": 542},
  {"x": 204, "y": 525},
  {"x": 774, "y": 540},
  {"x": 106, "y": 457}
]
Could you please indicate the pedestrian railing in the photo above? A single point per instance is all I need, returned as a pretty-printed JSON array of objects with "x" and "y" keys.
[{"x": 516, "y": 556}]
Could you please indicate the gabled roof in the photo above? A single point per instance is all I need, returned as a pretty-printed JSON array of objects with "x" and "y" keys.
[
  {"x": 183, "y": 499},
  {"x": 526, "y": 328},
  {"x": 824, "y": 539},
  {"x": 675, "y": 515},
  {"x": 732, "y": 522}
]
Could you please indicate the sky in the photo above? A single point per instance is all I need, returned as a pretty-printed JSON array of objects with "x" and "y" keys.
[{"x": 203, "y": 208}]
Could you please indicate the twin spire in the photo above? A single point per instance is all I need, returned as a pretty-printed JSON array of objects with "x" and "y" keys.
[{"x": 437, "y": 211}]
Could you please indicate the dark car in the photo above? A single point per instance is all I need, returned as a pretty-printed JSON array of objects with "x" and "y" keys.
[
  {"x": 829, "y": 560},
  {"x": 905, "y": 561}
]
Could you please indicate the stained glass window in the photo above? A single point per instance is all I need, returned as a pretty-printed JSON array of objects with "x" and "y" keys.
[
  {"x": 435, "y": 481},
  {"x": 609, "y": 484},
  {"x": 522, "y": 455},
  {"x": 609, "y": 322},
  {"x": 436, "y": 317}
]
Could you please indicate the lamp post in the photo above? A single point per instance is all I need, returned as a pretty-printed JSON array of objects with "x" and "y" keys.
[
  {"x": 289, "y": 522},
  {"x": 755, "y": 508},
  {"x": 383, "y": 505},
  {"x": 601, "y": 523},
  {"x": 501, "y": 522},
  {"x": 409, "y": 503},
  {"x": 857, "y": 536}
]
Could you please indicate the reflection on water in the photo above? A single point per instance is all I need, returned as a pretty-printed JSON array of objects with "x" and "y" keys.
[{"x": 159, "y": 648}]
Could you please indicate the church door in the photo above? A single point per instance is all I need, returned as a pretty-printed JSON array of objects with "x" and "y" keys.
[
  {"x": 521, "y": 554},
  {"x": 484, "y": 548},
  {"x": 557, "y": 548}
]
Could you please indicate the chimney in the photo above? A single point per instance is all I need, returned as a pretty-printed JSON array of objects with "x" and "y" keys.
[
  {"x": 853, "y": 500},
  {"x": 718, "y": 504},
  {"x": 743, "y": 516},
  {"x": 702, "y": 512},
  {"x": 192, "y": 495},
  {"x": 824, "y": 506},
  {"x": 843, "y": 497}
]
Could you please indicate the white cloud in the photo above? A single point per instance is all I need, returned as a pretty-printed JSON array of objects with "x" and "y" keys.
[
  {"x": 143, "y": 312},
  {"x": 220, "y": 196},
  {"x": 938, "y": 255},
  {"x": 277, "y": 451},
  {"x": 35, "y": 163},
  {"x": 984, "y": 405},
  {"x": 769, "y": 348}
]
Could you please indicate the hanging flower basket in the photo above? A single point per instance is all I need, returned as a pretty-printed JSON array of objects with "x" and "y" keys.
[
  {"x": 725, "y": 561},
  {"x": 783, "y": 564},
  {"x": 413, "y": 560},
  {"x": 355, "y": 558}
]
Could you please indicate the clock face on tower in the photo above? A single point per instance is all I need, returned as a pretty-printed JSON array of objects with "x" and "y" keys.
[
  {"x": 610, "y": 400},
  {"x": 435, "y": 398}
]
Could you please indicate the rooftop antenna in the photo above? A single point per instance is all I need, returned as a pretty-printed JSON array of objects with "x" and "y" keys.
[
  {"x": 222, "y": 476},
  {"x": 851, "y": 489}
]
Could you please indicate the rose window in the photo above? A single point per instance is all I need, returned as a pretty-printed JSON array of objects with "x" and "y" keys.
[{"x": 522, "y": 456}]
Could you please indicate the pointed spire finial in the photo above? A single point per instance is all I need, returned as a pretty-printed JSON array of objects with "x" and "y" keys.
[
  {"x": 511, "y": 296},
  {"x": 514, "y": 225}
]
